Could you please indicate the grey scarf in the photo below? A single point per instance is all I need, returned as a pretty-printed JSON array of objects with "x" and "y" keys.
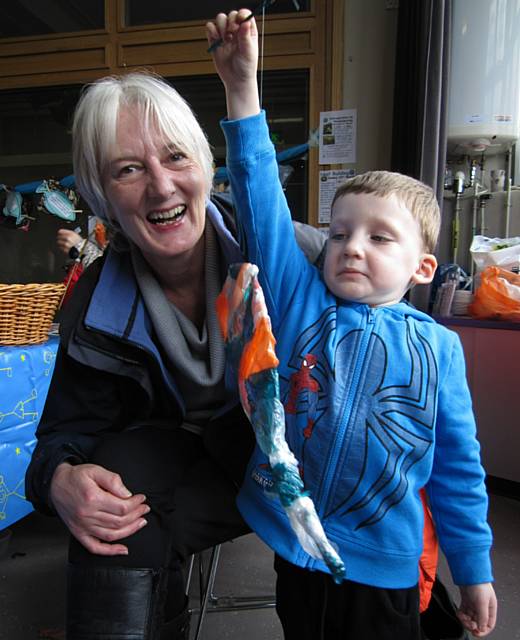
[{"x": 198, "y": 360}]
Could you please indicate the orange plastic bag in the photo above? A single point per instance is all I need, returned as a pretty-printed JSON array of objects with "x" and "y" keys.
[{"x": 498, "y": 296}]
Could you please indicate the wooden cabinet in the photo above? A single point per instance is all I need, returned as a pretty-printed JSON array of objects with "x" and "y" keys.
[{"x": 493, "y": 371}]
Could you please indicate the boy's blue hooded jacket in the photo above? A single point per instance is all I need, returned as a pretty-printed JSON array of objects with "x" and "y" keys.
[{"x": 376, "y": 400}]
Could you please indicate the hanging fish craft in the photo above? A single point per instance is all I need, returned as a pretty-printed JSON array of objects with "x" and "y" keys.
[
  {"x": 250, "y": 348},
  {"x": 14, "y": 207},
  {"x": 57, "y": 200}
]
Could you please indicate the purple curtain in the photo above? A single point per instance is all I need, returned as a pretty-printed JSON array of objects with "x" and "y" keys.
[
  {"x": 419, "y": 134},
  {"x": 421, "y": 90}
]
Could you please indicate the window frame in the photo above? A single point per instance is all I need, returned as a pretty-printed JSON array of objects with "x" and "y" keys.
[{"x": 311, "y": 40}]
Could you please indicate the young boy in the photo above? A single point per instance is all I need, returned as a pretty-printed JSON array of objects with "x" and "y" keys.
[{"x": 375, "y": 394}]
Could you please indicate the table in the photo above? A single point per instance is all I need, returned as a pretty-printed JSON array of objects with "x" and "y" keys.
[{"x": 492, "y": 353}]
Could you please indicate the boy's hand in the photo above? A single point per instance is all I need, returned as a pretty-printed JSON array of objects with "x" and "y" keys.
[
  {"x": 478, "y": 608},
  {"x": 236, "y": 60}
]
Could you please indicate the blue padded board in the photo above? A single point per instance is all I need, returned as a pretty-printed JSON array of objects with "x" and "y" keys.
[{"x": 25, "y": 375}]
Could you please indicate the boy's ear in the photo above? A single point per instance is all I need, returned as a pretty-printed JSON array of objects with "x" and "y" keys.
[{"x": 426, "y": 269}]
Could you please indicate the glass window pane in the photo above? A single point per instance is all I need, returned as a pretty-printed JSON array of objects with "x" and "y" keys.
[
  {"x": 36, "y": 121},
  {"x": 286, "y": 101},
  {"x": 35, "y": 144},
  {"x": 34, "y": 18},
  {"x": 159, "y": 11}
]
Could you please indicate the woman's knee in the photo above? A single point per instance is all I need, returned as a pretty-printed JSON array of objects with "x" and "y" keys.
[{"x": 147, "y": 458}]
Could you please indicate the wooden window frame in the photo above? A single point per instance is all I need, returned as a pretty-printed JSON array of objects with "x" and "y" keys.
[{"x": 310, "y": 40}]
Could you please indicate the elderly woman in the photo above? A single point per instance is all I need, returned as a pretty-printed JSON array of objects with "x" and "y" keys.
[{"x": 142, "y": 446}]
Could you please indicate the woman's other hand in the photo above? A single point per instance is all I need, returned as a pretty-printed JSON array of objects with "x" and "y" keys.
[
  {"x": 236, "y": 60},
  {"x": 66, "y": 239},
  {"x": 96, "y": 507}
]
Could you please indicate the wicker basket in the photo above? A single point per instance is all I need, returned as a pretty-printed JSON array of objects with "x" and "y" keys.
[{"x": 27, "y": 312}]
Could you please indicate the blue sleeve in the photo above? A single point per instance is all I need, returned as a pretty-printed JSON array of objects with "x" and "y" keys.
[
  {"x": 457, "y": 490},
  {"x": 265, "y": 227}
]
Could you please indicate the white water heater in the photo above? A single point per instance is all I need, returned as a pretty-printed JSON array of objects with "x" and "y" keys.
[{"x": 484, "y": 98}]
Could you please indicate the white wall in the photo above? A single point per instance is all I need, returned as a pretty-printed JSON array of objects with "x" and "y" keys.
[{"x": 368, "y": 83}]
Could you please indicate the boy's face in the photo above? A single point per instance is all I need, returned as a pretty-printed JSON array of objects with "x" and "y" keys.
[{"x": 374, "y": 250}]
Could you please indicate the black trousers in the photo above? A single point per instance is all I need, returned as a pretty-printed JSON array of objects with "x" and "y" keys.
[
  {"x": 311, "y": 606},
  {"x": 190, "y": 483}
]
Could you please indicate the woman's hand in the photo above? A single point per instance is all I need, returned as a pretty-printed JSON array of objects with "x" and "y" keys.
[
  {"x": 236, "y": 60},
  {"x": 96, "y": 507},
  {"x": 478, "y": 608},
  {"x": 66, "y": 239}
]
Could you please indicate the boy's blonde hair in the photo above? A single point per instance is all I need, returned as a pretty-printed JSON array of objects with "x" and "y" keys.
[{"x": 417, "y": 197}]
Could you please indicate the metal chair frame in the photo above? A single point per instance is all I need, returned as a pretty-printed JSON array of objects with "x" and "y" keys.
[{"x": 212, "y": 603}]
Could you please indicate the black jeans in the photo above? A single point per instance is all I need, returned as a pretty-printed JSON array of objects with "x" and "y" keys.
[
  {"x": 311, "y": 606},
  {"x": 190, "y": 483}
]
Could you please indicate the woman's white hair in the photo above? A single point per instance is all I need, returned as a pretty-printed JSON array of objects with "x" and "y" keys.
[{"x": 161, "y": 109}]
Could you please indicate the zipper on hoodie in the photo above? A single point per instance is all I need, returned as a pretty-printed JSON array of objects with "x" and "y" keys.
[{"x": 342, "y": 432}]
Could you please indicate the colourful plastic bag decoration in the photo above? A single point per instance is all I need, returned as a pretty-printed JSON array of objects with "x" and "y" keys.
[
  {"x": 498, "y": 295},
  {"x": 57, "y": 201},
  {"x": 246, "y": 328},
  {"x": 100, "y": 235}
]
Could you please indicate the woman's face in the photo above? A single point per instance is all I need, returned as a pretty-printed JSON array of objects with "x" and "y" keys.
[{"x": 156, "y": 195}]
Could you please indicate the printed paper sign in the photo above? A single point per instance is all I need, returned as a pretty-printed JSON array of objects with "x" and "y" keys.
[
  {"x": 338, "y": 136},
  {"x": 329, "y": 182}
]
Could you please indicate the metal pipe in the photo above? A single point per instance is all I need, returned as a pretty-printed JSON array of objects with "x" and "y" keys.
[
  {"x": 483, "y": 227},
  {"x": 458, "y": 188},
  {"x": 473, "y": 173},
  {"x": 456, "y": 227},
  {"x": 484, "y": 197},
  {"x": 508, "y": 193},
  {"x": 474, "y": 225}
]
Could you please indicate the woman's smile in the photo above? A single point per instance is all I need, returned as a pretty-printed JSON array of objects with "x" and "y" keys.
[
  {"x": 167, "y": 217},
  {"x": 157, "y": 194}
]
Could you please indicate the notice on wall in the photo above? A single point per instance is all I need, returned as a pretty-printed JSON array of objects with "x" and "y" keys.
[
  {"x": 338, "y": 136},
  {"x": 329, "y": 182}
]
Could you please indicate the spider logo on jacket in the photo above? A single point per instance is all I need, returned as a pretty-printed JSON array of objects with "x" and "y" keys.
[{"x": 363, "y": 425}]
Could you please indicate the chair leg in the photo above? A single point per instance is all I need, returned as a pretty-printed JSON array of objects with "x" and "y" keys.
[
  {"x": 189, "y": 575},
  {"x": 206, "y": 586},
  {"x": 209, "y": 602}
]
